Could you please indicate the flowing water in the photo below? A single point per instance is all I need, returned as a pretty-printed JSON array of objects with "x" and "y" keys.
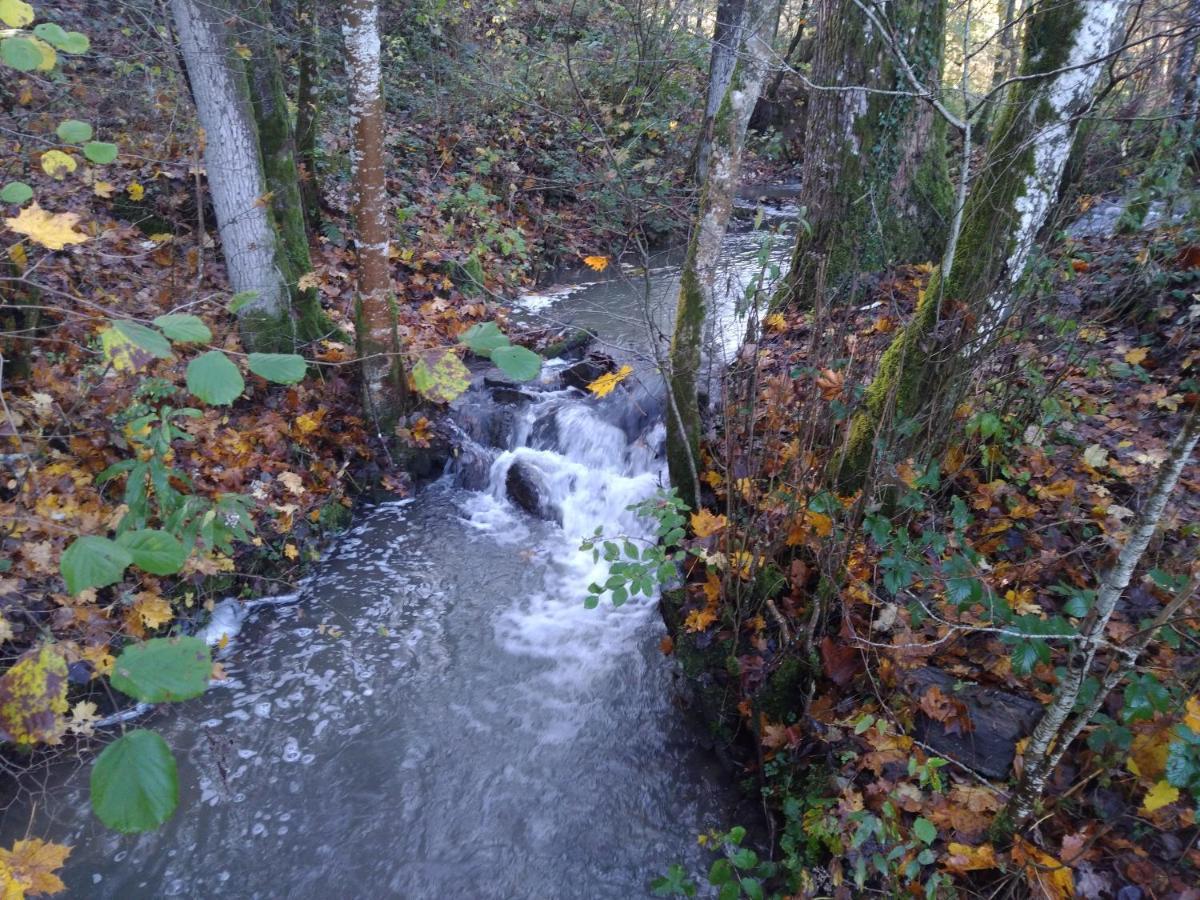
[{"x": 437, "y": 715}]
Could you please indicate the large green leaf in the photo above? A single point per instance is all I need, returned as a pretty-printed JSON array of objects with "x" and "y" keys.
[
  {"x": 518, "y": 363},
  {"x": 147, "y": 338},
  {"x": 75, "y": 42},
  {"x": 214, "y": 378},
  {"x": 483, "y": 338},
  {"x": 16, "y": 192},
  {"x": 73, "y": 131},
  {"x": 183, "y": 328},
  {"x": 441, "y": 378},
  {"x": 93, "y": 561},
  {"x": 135, "y": 784},
  {"x": 100, "y": 152},
  {"x": 156, "y": 552},
  {"x": 52, "y": 34},
  {"x": 163, "y": 669},
  {"x": 282, "y": 368},
  {"x": 20, "y": 53}
]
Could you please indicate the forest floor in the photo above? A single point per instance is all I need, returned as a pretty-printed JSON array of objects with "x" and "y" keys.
[{"x": 1068, "y": 433}]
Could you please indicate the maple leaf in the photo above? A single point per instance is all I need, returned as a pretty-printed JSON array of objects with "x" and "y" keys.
[
  {"x": 103, "y": 189},
  {"x": 596, "y": 263},
  {"x": 52, "y": 230},
  {"x": 292, "y": 482},
  {"x": 1162, "y": 794},
  {"x": 705, "y": 524},
  {"x": 83, "y": 718},
  {"x": 604, "y": 385},
  {"x": 699, "y": 619},
  {"x": 775, "y": 322},
  {"x": 136, "y": 191},
  {"x": 149, "y": 611},
  {"x": 32, "y": 865},
  {"x": 290, "y": 551}
]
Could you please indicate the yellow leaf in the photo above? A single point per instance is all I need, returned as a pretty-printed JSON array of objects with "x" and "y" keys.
[
  {"x": 290, "y": 551},
  {"x": 242, "y": 50},
  {"x": 33, "y": 694},
  {"x": 49, "y": 57},
  {"x": 1047, "y": 877},
  {"x": 84, "y": 716},
  {"x": 775, "y": 322},
  {"x": 57, "y": 164},
  {"x": 1162, "y": 794},
  {"x": 15, "y": 13},
  {"x": 965, "y": 858},
  {"x": 19, "y": 258},
  {"x": 1192, "y": 718},
  {"x": 33, "y": 864},
  {"x": 441, "y": 377},
  {"x": 603, "y": 386},
  {"x": 1147, "y": 756},
  {"x": 309, "y": 422},
  {"x": 292, "y": 482},
  {"x": 52, "y": 230},
  {"x": 119, "y": 350},
  {"x": 596, "y": 263},
  {"x": 136, "y": 191},
  {"x": 1136, "y": 356},
  {"x": 103, "y": 189},
  {"x": 152, "y": 610},
  {"x": 6, "y": 632},
  {"x": 699, "y": 619},
  {"x": 705, "y": 523}
]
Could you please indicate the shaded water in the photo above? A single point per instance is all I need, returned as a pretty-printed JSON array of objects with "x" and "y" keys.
[{"x": 438, "y": 716}]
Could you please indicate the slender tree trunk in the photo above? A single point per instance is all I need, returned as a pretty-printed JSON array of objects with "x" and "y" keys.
[
  {"x": 384, "y": 383},
  {"x": 1004, "y": 66},
  {"x": 1171, "y": 154},
  {"x": 1006, "y": 207},
  {"x": 1038, "y": 761},
  {"x": 726, "y": 32},
  {"x": 875, "y": 184},
  {"x": 279, "y": 166},
  {"x": 234, "y": 167},
  {"x": 700, "y": 269},
  {"x": 308, "y": 108}
]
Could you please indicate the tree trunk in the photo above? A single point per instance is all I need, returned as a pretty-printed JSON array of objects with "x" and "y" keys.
[
  {"x": 1038, "y": 762},
  {"x": 279, "y": 166},
  {"x": 384, "y": 385},
  {"x": 1007, "y": 205},
  {"x": 1004, "y": 66},
  {"x": 234, "y": 167},
  {"x": 700, "y": 269},
  {"x": 725, "y": 48},
  {"x": 308, "y": 108},
  {"x": 875, "y": 184}
]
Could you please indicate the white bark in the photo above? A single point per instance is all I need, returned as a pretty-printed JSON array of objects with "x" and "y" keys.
[
  {"x": 231, "y": 156},
  {"x": 1053, "y": 110},
  {"x": 727, "y": 37}
]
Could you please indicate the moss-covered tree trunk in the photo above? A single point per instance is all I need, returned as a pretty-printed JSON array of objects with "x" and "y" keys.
[
  {"x": 1007, "y": 205},
  {"x": 308, "y": 108},
  {"x": 701, "y": 268},
  {"x": 278, "y": 148},
  {"x": 875, "y": 185},
  {"x": 385, "y": 385},
  {"x": 233, "y": 165}
]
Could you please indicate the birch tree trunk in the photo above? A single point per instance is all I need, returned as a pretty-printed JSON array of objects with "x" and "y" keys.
[
  {"x": 971, "y": 295},
  {"x": 278, "y": 150},
  {"x": 875, "y": 184},
  {"x": 384, "y": 383},
  {"x": 727, "y": 31},
  {"x": 234, "y": 167},
  {"x": 1038, "y": 763},
  {"x": 308, "y": 108},
  {"x": 701, "y": 267}
]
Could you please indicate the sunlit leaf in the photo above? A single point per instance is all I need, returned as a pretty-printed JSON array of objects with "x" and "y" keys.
[{"x": 135, "y": 783}]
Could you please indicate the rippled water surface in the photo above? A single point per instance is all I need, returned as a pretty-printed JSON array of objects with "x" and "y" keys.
[{"x": 437, "y": 715}]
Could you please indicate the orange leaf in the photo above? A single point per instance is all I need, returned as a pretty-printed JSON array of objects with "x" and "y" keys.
[
  {"x": 705, "y": 524},
  {"x": 1046, "y": 876},
  {"x": 596, "y": 263},
  {"x": 962, "y": 858}
]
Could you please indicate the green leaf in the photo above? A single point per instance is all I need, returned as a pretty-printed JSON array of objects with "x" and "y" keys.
[
  {"x": 100, "y": 152},
  {"x": 156, "y": 552},
  {"x": 93, "y": 561},
  {"x": 214, "y": 378},
  {"x": 483, "y": 338},
  {"x": 925, "y": 830},
  {"x": 720, "y": 871},
  {"x": 20, "y": 53},
  {"x": 135, "y": 784},
  {"x": 72, "y": 131},
  {"x": 240, "y": 299},
  {"x": 75, "y": 42},
  {"x": 441, "y": 378},
  {"x": 147, "y": 338},
  {"x": 282, "y": 368},
  {"x": 52, "y": 34},
  {"x": 163, "y": 669},
  {"x": 16, "y": 192},
  {"x": 184, "y": 329},
  {"x": 518, "y": 363}
]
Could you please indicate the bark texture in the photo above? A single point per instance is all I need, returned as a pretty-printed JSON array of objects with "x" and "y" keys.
[
  {"x": 234, "y": 167},
  {"x": 970, "y": 297},
  {"x": 701, "y": 267},
  {"x": 727, "y": 30},
  {"x": 875, "y": 184},
  {"x": 308, "y": 108},
  {"x": 384, "y": 384}
]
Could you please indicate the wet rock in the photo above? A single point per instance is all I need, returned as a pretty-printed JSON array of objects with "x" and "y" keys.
[
  {"x": 526, "y": 488},
  {"x": 587, "y": 370}
]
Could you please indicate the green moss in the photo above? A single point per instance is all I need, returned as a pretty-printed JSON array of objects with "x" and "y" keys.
[
  {"x": 683, "y": 443},
  {"x": 784, "y": 691},
  {"x": 262, "y": 332}
]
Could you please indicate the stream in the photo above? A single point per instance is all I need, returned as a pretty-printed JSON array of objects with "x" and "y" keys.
[{"x": 436, "y": 714}]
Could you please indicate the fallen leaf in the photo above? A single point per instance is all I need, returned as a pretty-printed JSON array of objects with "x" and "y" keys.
[
  {"x": 699, "y": 619},
  {"x": 604, "y": 385},
  {"x": 962, "y": 858},
  {"x": 1095, "y": 456},
  {"x": 33, "y": 864},
  {"x": 1046, "y": 876},
  {"x": 52, "y": 230},
  {"x": 596, "y": 263},
  {"x": 1162, "y": 794},
  {"x": 705, "y": 524},
  {"x": 57, "y": 164}
]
